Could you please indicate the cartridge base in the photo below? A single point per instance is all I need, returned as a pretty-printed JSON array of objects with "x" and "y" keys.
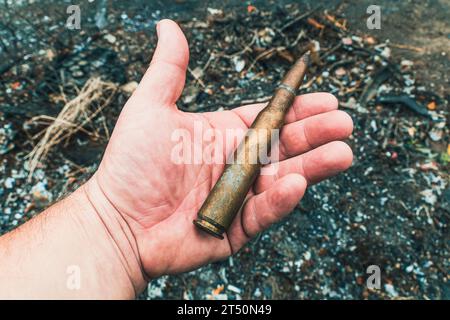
[{"x": 212, "y": 229}]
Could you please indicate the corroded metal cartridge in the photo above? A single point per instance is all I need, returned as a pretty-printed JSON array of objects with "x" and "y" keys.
[{"x": 230, "y": 191}]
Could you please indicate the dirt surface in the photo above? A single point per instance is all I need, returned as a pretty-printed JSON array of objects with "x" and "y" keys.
[{"x": 391, "y": 209}]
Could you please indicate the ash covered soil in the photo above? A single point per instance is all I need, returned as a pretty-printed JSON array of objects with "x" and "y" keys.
[{"x": 390, "y": 209}]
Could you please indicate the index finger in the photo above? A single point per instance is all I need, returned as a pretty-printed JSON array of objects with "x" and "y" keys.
[{"x": 304, "y": 106}]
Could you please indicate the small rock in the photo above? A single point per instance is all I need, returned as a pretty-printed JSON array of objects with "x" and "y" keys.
[
  {"x": 266, "y": 36},
  {"x": 368, "y": 171},
  {"x": 370, "y": 40},
  {"x": 340, "y": 72},
  {"x": 429, "y": 166},
  {"x": 187, "y": 295},
  {"x": 390, "y": 290},
  {"x": 50, "y": 54},
  {"x": 129, "y": 87},
  {"x": 110, "y": 38},
  {"x": 351, "y": 103},
  {"x": 386, "y": 53},
  {"x": 9, "y": 183},
  {"x": 215, "y": 12},
  {"x": 74, "y": 68},
  {"x": 77, "y": 74},
  {"x": 239, "y": 64},
  {"x": 428, "y": 196},
  {"x": 316, "y": 45},
  {"x": 347, "y": 41},
  {"x": 190, "y": 94},
  {"x": 307, "y": 255},
  {"x": 25, "y": 68},
  {"x": 373, "y": 125},
  {"x": 6, "y": 139},
  {"x": 406, "y": 63},
  {"x": 435, "y": 135},
  {"x": 234, "y": 289},
  {"x": 357, "y": 39},
  {"x": 40, "y": 193}
]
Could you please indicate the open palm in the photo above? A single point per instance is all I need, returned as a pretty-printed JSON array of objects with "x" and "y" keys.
[{"x": 159, "y": 198}]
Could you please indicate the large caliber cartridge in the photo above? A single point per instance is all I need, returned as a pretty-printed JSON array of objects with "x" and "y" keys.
[{"x": 230, "y": 191}]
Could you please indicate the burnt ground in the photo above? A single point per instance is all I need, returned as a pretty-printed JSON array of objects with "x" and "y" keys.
[{"x": 390, "y": 209}]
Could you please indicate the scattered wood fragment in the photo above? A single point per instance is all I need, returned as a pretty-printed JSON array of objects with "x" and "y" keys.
[{"x": 90, "y": 101}]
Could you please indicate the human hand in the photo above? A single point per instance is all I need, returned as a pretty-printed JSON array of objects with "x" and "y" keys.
[{"x": 139, "y": 183}]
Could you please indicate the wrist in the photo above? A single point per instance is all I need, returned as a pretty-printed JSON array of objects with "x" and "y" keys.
[
  {"x": 78, "y": 248},
  {"x": 117, "y": 239}
]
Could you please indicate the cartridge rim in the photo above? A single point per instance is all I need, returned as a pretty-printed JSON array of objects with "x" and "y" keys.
[{"x": 211, "y": 228}]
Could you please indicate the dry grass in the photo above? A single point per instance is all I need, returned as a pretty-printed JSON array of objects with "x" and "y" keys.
[{"x": 74, "y": 116}]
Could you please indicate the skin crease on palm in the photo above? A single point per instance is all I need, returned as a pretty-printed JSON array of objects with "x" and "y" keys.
[{"x": 159, "y": 199}]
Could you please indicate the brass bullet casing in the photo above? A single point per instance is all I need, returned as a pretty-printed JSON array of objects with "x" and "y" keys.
[{"x": 229, "y": 193}]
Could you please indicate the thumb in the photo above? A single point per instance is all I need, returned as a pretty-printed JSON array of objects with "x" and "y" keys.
[{"x": 163, "y": 82}]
